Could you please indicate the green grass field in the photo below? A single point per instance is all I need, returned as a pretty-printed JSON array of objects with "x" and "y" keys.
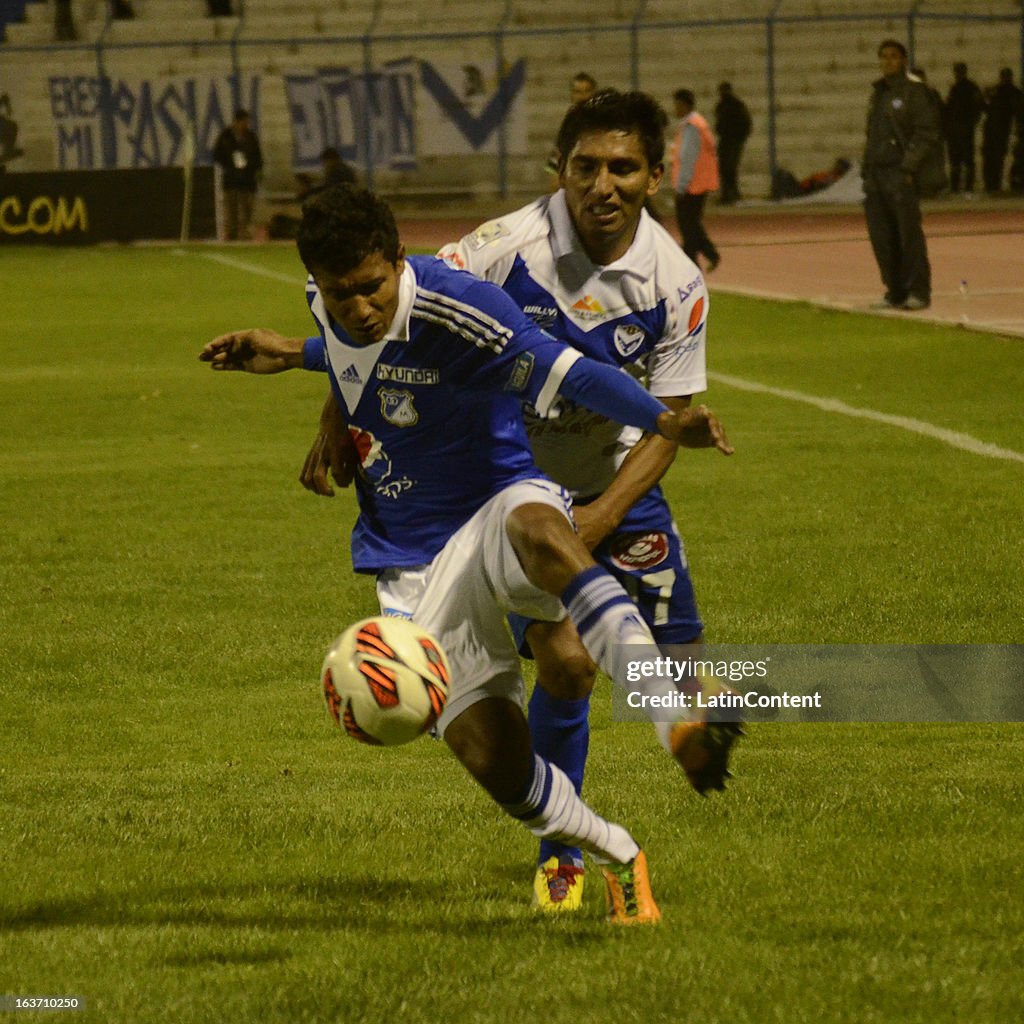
[{"x": 185, "y": 836}]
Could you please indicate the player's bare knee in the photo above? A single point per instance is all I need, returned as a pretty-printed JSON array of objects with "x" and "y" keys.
[
  {"x": 546, "y": 546},
  {"x": 569, "y": 679},
  {"x": 564, "y": 668}
]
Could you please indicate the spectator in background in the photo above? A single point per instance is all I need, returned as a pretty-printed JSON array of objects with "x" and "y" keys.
[
  {"x": 9, "y": 149},
  {"x": 237, "y": 153},
  {"x": 964, "y": 107},
  {"x": 903, "y": 126},
  {"x": 785, "y": 184},
  {"x": 1017, "y": 165},
  {"x": 732, "y": 126},
  {"x": 1003, "y": 103},
  {"x": 336, "y": 171},
  {"x": 121, "y": 10},
  {"x": 582, "y": 87},
  {"x": 936, "y": 96},
  {"x": 63, "y": 22},
  {"x": 694, "y": 170}
]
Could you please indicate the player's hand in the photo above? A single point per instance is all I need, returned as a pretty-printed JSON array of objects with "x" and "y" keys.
[
  {"x": 258, "y": 350},
  {"x": 314, "y": 476},
  {"x": 591, "y": 526},
  {"x": 333, "y": 454},
  {"x": 695, "y": 427}
]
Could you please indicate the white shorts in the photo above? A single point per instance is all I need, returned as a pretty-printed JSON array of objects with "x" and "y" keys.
[{"x": 463, "y": 596}]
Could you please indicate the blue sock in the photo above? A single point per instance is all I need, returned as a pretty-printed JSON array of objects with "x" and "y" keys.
[{"x": 561, "y": 734}]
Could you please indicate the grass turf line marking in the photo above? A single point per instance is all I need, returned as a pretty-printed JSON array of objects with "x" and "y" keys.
[
  {"x": 951, "y": 437},
  {"x": 252, "y": 268}
]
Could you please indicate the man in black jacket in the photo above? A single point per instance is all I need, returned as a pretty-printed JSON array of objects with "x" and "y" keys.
[
  {"x": 964, "y": 107},
  {"x": 732, "y": 126},
  {"x": 237, "y": 153},
  {"x": 1004, "y": 103},
  {"x": 903, "y": 128}
]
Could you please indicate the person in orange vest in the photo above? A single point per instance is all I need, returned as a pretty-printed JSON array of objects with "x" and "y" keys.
[{"x": 694, "y": 166}]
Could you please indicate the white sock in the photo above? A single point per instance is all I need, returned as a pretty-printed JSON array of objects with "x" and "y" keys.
[
  {"x": 551, "y": 809},
  {"x": 614, "y": 635}
]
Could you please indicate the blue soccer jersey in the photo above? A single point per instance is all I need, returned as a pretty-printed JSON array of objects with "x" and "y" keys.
[{"x": 435, "y": 408}]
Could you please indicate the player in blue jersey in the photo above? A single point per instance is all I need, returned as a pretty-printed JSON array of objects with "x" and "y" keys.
[
  {"x": 591, "y": 266},
  {"x": 430, "y": 367}
]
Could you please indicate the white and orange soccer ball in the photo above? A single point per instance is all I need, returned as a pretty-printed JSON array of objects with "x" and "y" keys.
[{"x": 385, "y": 681}]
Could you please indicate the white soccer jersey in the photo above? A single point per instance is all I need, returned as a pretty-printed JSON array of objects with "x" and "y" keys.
[{"x": 645, "y": 313}]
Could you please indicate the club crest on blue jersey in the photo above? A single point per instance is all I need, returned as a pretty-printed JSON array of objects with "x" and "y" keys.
[
  {"x": 628, "y": 338},
  {"x": 397, "y": 408}
]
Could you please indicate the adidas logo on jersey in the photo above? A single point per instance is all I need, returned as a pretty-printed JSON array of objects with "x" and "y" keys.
[{"x": 350, "y": 375}]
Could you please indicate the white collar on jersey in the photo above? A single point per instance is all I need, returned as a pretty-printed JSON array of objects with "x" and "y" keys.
[
  {"x": 639, "y": 258},
  {"x": 399, "y": 329}
]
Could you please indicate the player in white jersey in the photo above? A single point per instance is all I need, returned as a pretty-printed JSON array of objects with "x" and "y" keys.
[
  {"x": 595, "y": 270},
  {"x": 430, "y": 366}
]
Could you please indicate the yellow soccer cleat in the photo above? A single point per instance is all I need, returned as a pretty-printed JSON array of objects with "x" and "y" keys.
[
  {"x": 628, "y": 892},
  {"x": 557, "y": 887}
]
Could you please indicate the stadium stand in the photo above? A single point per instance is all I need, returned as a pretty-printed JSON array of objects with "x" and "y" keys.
[{"x": 802, "y": 66}]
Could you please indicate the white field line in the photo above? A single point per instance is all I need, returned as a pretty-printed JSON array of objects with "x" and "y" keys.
[
  {"x": 953, "y": 438},
  {"x": 297, "y": 279}
]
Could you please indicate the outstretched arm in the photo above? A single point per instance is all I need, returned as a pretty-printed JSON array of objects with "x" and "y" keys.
[
  {"x": 257, "y": 350},
  {"x": 615, "y": 395},
  {"x": 645, "y": 464}
]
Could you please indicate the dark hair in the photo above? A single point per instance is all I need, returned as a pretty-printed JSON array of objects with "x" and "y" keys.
[
  {"x": 612, "y": 111},
  {"x": 341, "y": 225},
  {"x": 895, "y": 44},
  {"x": 582, "y": 76},
  {"x": 330, "y": 153},
  {"x": 241, "y": 113},
  {"x": 684, "y": 96}
]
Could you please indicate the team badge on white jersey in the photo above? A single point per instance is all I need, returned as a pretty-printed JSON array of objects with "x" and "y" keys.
[
  {"x": 628, "y": 338},
  {"x": 397, "y": 408}
]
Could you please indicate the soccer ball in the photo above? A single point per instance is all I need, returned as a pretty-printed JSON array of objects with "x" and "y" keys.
[{"x": 385, "y": 681}]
